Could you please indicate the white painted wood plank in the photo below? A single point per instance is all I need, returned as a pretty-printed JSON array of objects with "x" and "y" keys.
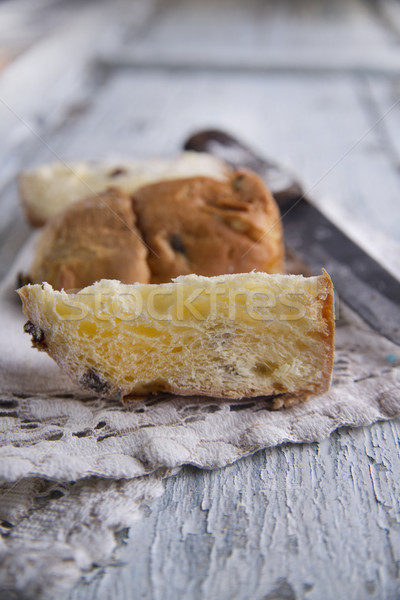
[
  {"x": 312, "y": 522},
  {"x": 21, "y": 21},
  {"x": 384, "y": 94},
  {"x": 297, "y": 522},
  {"x": 38, "y": 88},
  {"x": 256, "y": 34},
  {"x": 389, "y": 11}
]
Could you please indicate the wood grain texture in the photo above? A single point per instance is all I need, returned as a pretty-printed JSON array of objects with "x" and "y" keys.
[
  {"x": 385, "y": 94},
  {"x": 307, "y": 36},
  {"x": 318, "y": 521},
  {"x": 296, "y": 522}
]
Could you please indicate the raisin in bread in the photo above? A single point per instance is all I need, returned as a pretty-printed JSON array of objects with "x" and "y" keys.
[
  {"x": 196, "y": 225},
  {"x": 230, "y": 336},
  {"x": 208, "y": 227}
]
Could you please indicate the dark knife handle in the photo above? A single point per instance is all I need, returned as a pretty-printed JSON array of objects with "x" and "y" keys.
[
  {"x": 361, "y": 282},
  {"x": 284, "y": 186}
]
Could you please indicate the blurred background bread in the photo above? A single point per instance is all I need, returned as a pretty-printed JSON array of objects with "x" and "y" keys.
[
  {"x": 94, "y": 238},
  {"x": 47, "y": 190},
  {"x": 208, "y": 227},
  {"x": 200, "y": 225}
]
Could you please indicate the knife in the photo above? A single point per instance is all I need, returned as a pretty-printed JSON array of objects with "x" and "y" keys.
[{"x": 360, "y": 281}]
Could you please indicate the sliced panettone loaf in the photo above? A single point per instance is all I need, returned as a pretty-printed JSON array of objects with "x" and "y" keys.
[
  {"x": 208, "y": 227},
  {"x": 46, "y": 190},
  {"x": 230, "y": 336},
  {"x": 95, "y": 238},
  {"x": 196, "y": 225}
]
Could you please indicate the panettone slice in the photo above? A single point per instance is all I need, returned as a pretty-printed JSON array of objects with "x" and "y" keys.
[{"x": 231, "y": 336}]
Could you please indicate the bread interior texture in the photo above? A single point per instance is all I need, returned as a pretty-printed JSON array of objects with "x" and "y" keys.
[{"x": 230, "y": 336}]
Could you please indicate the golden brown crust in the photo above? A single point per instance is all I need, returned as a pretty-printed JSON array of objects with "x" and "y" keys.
[
  {"x": 195, "y": 225},
  {"x": 328, "y": 316},
  {"x": 209, "y": 227},
  {"x": 94, "y": 238}
]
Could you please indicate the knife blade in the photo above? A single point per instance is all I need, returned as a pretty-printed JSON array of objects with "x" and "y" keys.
[{"x": 360, "y": 281}]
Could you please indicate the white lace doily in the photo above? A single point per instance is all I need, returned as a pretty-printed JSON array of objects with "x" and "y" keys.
[{"x": 76, "y": 468}]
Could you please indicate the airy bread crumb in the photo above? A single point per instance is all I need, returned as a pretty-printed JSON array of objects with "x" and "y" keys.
[{"x": 230, "y": 336}]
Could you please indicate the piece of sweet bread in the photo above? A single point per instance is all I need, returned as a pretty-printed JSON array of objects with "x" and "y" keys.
[
  {"x": 46, "y": 190},
  {"x": 208, "y": 227},
  {"x": 196, "y": 225},
  {"x": 230, "y": 336},
  {"x": 94, "y": 238}
]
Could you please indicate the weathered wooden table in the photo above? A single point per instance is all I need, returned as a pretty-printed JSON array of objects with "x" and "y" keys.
[{"x": 315, "y": 85}]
